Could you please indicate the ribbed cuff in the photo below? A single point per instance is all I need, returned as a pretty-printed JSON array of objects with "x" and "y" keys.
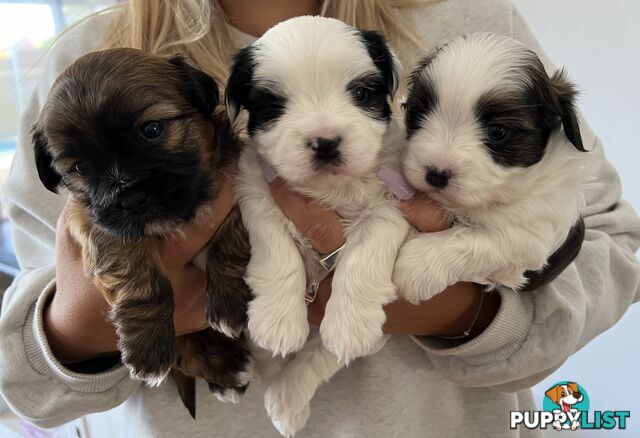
[
  {"x": 504, "y": 336},
  {"x": 43, "y": 361}
]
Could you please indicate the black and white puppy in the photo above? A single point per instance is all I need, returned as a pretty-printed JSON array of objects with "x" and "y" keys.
[
  {"x": 496, "y": 141},
  {"x": 317, "y": 93}
]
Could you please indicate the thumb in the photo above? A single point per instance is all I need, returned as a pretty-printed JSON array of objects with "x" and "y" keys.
[{"x": 425, "y": 215}]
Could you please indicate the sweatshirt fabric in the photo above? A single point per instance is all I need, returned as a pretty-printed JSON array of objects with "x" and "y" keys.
[{"x": 413, "y": 387}]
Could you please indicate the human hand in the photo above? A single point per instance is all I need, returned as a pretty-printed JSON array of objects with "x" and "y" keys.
[
  {"x": 76, "y": 320},
  {"x": 449, "y": 313}
]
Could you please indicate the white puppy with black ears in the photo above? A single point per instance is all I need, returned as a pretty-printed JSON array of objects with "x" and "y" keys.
[
  {"x": 496, "y": 142},
  {"x": 317, "y": 93}
]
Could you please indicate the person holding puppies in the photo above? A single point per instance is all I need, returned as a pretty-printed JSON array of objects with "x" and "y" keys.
[{"x": 58, "y": 354}]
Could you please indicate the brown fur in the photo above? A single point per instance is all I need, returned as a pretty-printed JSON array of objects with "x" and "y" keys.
[{"x": 126, "y": 88}]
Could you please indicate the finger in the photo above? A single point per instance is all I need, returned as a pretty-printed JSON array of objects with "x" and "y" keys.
[
  {"x": 179, "y": 249},
  {"x": 425, "y": 214},
  {"x": 189, "y": 299},
  {"x": 321, "y": 226},
  {"x": 315, "y": 310},
  {"x": 65, "y": 243}
]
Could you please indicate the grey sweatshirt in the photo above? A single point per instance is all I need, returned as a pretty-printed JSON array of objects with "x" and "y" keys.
[{"x": 414, "y": 387}]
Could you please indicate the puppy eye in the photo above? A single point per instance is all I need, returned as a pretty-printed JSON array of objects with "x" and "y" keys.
[
  {"x": 79, "y": 167},
  {"x": 497, "y": 132},
  {"x": 152, "y": 130},
  {"x": 360, "y": 94}
]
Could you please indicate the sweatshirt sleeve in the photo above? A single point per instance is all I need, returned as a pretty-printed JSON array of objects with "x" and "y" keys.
[
  {"x": 32, "y": 381},
  {"x": 521, "y": 346}
]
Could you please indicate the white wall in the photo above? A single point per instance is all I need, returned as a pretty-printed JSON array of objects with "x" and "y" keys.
[{"x": 599, "y": 44}]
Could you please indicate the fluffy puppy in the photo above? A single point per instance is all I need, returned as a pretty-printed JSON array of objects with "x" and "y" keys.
[
  {"x": 137, "y": 142},
  {"x": 317, "y": 93},
  {"x": 483, "y": 123}
]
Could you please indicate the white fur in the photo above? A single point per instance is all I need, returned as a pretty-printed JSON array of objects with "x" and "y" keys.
[
  {"x": 151, "y": 380},
  {"x": 509, "y": 219},
  {"x": 290, "y": 391},
  {"x": 311, "y": 61}
]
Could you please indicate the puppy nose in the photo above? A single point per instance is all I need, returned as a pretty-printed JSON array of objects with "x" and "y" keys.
[
  {"x": 326, "y": 149},
  {"x": 438, "y": 178},
  {"x": 133, "y": 200}
]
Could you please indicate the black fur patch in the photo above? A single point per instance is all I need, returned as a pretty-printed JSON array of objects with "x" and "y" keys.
[
  {"x": 370, "y": 94},
  {"x": 382, "y": 58},
  {"x": 240, "y": 81},
  {"x": 521, "y": 116},
  {"x": 559, "y": 260},
  {"x": 228, "y": 256},
  {"x": 421, "y": 100},
  {"x": 201, "y": 90},
  {"x": 264, "y": 105},
  {"x": 44, "y": 161},
  {"x": 175, "y": 184},
  {"x": 529, "y": 116}
]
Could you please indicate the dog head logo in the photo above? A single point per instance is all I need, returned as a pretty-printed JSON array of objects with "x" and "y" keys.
[
  {"x": 565, "y": 395},
  {"x": 567, "y": 401},
  {"x": 565, "y": 406}
]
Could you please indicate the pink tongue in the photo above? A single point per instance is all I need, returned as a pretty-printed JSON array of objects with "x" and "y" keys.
[{"x": 565, "y": 407}]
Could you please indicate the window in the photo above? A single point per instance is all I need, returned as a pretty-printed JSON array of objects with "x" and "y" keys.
[{"x": 27, "y": 29}]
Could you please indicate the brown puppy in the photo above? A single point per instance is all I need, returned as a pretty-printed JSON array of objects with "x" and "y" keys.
[{"x": 137, "y": 141}]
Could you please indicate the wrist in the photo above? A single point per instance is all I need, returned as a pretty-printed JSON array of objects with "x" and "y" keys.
[
  {"x": 78, "y": 333},
  {"x": 463, "y": 311}
]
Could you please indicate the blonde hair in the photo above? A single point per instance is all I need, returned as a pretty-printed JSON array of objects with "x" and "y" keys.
[{"x": 199, "y": 28}]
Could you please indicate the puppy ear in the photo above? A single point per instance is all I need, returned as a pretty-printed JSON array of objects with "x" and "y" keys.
[
  {"x": 202, "y": 90},
  {"x": 414, "y": 76},
  {"x": 44, "y": 161},
  {"x": 239, "y": 82},
  {"x": 554, "y": 393},
  {"x": 384, "y": 58},
  {"x": 573, "y": 386},
  {"x": 566, "y": 93}
]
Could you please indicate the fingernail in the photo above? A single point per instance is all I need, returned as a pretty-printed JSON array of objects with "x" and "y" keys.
[
  {"x": 396, "y": 182},
  {"x": 267, "y": 171}
]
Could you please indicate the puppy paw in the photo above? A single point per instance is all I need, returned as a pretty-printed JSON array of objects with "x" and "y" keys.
[
  {"x": 292, "y": 424},
  {"x": 147, "y": 347},
  {"x": 224, "y": 363},
  {"x": 575, "y": 425},
  {"x": 421, "y": 273},
  {"x": 417, "y": 290},
  {"x": 279, "y": 329},
  {"x": 230, "y": 384},
  {"x": 287, "y": 407},
  {"x": 231, "y": 394},
  {"x": 349, "y": 335},
  {"x": 225, "y": 327},
  {"x": 229, "y": 318},
  {"x": 152, "y": 372},
  {"x": 226, "y": 310}
]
